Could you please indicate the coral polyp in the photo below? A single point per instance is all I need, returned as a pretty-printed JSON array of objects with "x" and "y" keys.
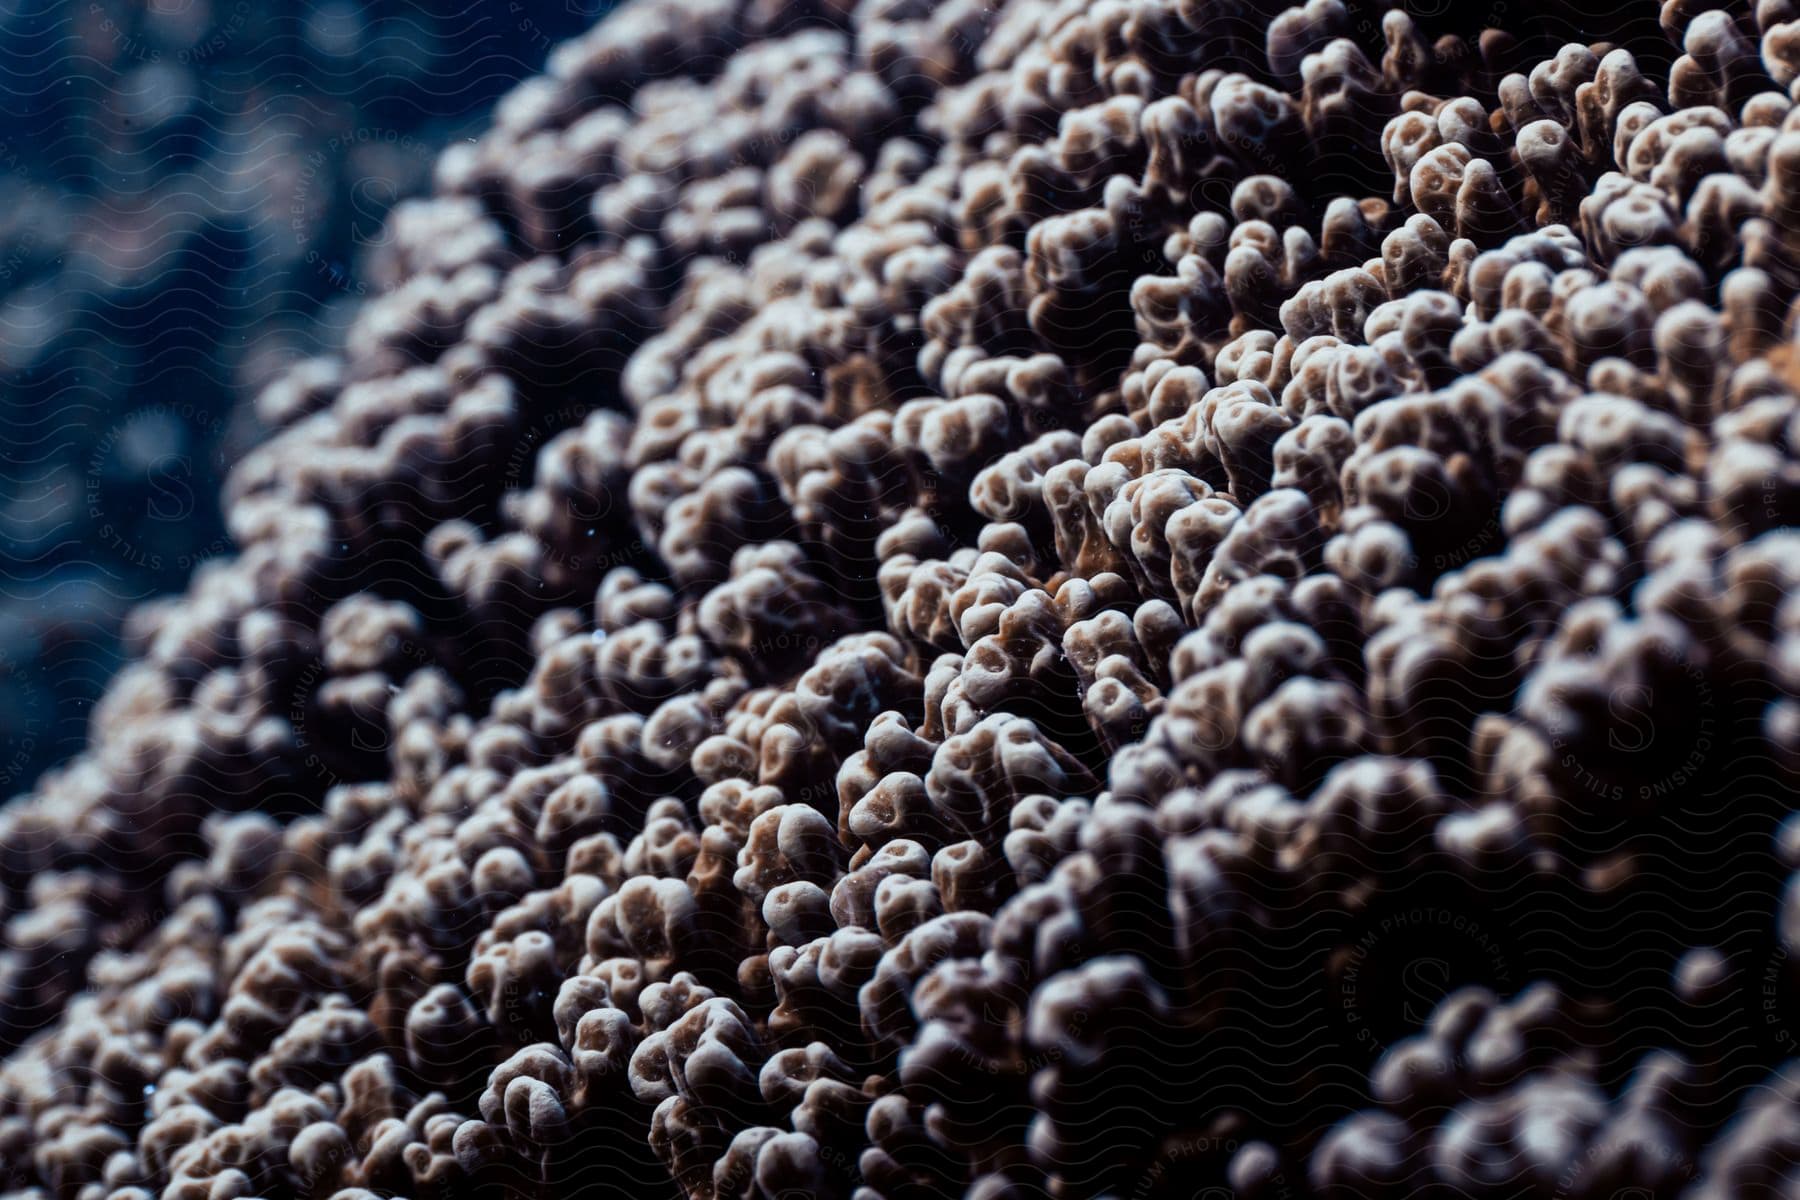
[{"x": 1036, "y": 599}]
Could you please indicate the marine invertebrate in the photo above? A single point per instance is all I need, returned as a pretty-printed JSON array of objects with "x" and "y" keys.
[{"x": 1109, "y": 659}]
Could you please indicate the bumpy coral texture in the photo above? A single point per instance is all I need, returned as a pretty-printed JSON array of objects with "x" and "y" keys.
[{"x": 1062, "y": 599}]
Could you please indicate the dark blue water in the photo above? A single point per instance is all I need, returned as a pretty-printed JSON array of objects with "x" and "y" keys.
[{"x": 189, "y": 190}]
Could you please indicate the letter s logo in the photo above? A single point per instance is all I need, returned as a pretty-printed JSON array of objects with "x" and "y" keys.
[
  {"x": 1632, "y": 729},
  {"x": 170, "y": 480},
  {"x": 367, "y": 742},
  {"x": 1425, "y": 981}
]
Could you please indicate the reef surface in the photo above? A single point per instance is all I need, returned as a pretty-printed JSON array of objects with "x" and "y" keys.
[{"x": 1057, "y": 599}]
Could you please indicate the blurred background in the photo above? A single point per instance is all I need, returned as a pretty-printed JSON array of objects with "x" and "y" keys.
[{"x": 188, "y": 189}]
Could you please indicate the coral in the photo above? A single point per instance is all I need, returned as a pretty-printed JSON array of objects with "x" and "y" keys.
[{"x": 1107, "y": 600}]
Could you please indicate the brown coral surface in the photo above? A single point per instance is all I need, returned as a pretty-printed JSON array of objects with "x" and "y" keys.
[{"x": 1058, "y": 599}]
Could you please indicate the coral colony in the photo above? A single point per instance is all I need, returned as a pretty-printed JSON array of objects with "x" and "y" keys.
[{"x": 1071, "y": 599}]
